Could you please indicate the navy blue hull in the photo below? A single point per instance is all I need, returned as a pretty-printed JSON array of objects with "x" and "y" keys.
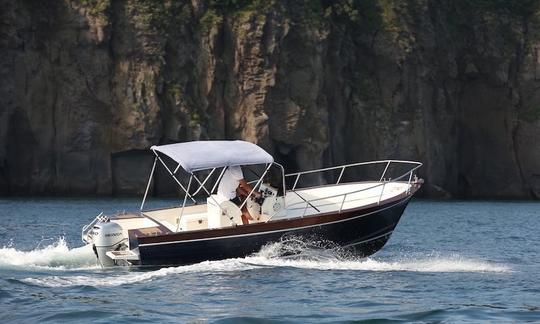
[{"x": 364, "y": 231}]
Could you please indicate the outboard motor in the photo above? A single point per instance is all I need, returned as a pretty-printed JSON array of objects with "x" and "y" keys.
[{"x": 106, "y": 237}]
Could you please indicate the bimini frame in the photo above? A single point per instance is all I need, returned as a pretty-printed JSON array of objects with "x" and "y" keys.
[{"x": 202, "y": 184}]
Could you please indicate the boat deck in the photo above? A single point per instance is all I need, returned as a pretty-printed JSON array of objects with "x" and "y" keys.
[
  {"x": 323, "y": 199},
  {"x": 326, "y": 199}
]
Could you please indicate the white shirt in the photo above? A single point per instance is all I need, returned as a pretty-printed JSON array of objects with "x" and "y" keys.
[{"x": 229, "y": 182}]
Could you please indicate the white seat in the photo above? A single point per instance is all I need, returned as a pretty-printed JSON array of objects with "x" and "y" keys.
[
  {"x": 231, "y": 212},
  {"x": 226, "y": 214}
]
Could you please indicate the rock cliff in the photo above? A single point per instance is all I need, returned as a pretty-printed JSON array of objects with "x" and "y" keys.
[{"x": 86, "y": 86}]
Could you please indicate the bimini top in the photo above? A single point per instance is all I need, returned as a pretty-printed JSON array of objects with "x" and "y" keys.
[{"x": 203, "y": 155}]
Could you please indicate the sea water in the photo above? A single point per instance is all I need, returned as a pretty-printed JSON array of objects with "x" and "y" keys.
[{"x": 446, "y": 261}]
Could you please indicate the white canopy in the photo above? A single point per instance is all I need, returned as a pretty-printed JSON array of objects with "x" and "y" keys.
[{"x": 203, "y": 155}]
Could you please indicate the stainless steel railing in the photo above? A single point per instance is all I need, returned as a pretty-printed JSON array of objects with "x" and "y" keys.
[{"x": 381, "y": 182}]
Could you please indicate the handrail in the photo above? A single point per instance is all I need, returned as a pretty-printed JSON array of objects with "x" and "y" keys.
[
  {"x": 354, "y": 164},
  {"x": 409, "y": 183},
  {"x": 305, "y": 203},
  {"x": 356, "y": 191},
  {"x": 382, "y": 191},
  {"x": 86, "y": 228},
  {"x": 381, "y": 183},
  {"x": 342, "y": 202},
  {"x": 340, "y": 175},
  {"x": 384, "y": 172},
  {"x": 295, "y": 181}
]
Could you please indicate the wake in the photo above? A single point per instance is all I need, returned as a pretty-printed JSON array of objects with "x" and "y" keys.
[
  {"x": 291, "y": 254},
  {"x": 54, "y": 256},
  {"x": 337, "y": 259}
]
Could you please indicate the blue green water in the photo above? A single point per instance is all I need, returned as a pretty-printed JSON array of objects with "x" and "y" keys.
[{"x": 446, "y": 262}]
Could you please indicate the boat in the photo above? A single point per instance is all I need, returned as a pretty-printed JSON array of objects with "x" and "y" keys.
[{"x": 353, "y": 214}]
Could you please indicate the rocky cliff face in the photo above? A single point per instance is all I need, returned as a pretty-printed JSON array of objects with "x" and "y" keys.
[{"x": 86, "y": 86}]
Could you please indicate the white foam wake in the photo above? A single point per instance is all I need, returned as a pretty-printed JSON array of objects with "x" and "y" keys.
[
  {"x": 271, "y": 256},
  {"x": 139, "y": 277},
  {"x": 444, "y": 264},
  {"x": 56, "y": 255},
  {"x": 313, "y": 259}
]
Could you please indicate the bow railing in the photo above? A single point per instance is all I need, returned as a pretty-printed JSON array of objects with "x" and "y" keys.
[{"x": 381, "y": 180}]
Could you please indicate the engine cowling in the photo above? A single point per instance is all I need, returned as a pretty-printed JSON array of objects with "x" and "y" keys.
[{"x": 107, "y": 237}]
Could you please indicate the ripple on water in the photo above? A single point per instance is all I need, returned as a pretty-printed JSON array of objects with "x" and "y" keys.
[
  {"x": 4, "y": 294},
  {"x": 74, "y": 315},
  {"x": 473, "y": 275},
  {"x": 248, "y": 320}
]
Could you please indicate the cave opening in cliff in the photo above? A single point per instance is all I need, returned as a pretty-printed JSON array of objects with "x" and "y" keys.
[
  {"x": 128, "y": 177},
  {"x": 286, "y": 156}
]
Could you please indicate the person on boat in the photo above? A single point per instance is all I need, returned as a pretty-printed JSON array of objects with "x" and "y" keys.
[{"x": 233, "y": 187}]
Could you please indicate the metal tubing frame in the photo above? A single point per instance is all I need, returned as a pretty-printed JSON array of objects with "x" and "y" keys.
[
  {"x": 417, "y": 165},
  {"x": 409, "y": 182},
  {"x": 282, "y": 182},
  {"x": 174, "y": 177},
  {"x": 206, "y": 179},
  {"x": 355, "y": 164},
  {"x": 382, "y": 191},
  {"x": 305, "y": 209},
  {"x": 86, "y": 228},
  {"x": 295, "y": 181},
  {"x": 307, "y": 203},
  {"x": 255, "y": 186},
  {"x": 342, "y": 202},
  {"x": 201, "y": 184},
  {"x": 343, "y": 167},
  {"x": 148, "y": 185},
  {"x": 184, "y": 203},
  {"x": 340, "y": 175},
  {"x": 385, "y": 169},
  {"x": 218, "y": 179},
  {"x": 208, "y": 193}
]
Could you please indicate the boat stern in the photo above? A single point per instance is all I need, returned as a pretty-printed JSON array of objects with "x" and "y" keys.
[{"x": 110, "y": 242}]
